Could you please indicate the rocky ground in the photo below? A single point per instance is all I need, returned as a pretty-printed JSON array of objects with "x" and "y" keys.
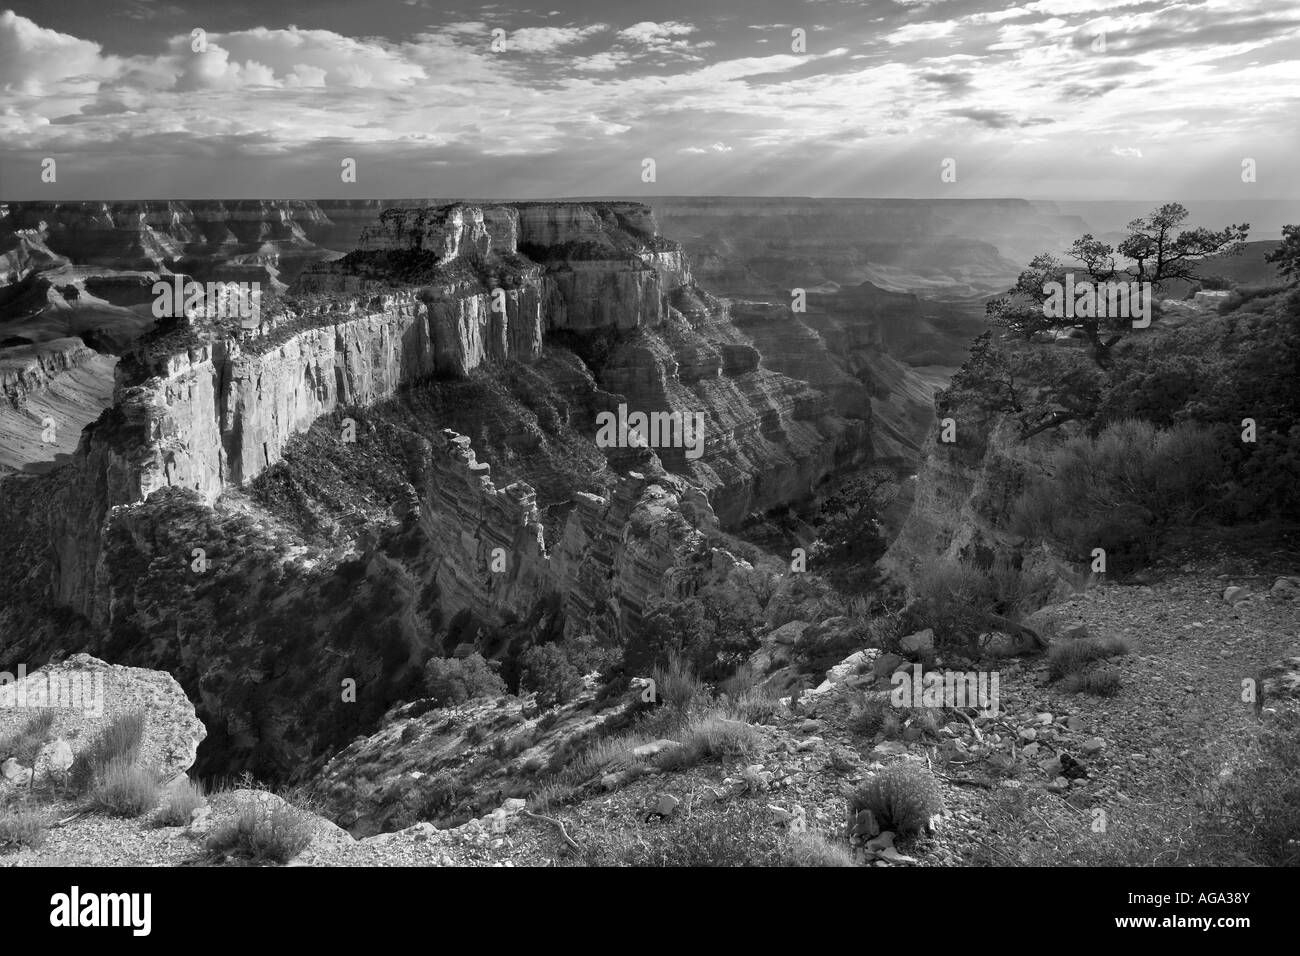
[{"x": 1054, "y": 778}]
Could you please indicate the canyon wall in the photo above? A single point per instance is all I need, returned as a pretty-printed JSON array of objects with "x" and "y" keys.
[
  {"x": 437, "y": 291},
  {"x": 615, "y": 554},
  {"x": 567, "y": 308},
  {"x": 210, "y": 413}
]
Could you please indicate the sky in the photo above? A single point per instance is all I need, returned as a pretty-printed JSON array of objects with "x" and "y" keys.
[{"x": 1051, "y": 99}]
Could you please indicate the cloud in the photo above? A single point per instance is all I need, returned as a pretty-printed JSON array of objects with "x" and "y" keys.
[
  {"x": 657, "y": 35},
  {"x": 578, "y": 101},
  {"x": 602, "y": 62},
  {"x": 917, "y": 32},
  {"x": 268, "y": 57},
  {"x": 996, "y": 119},
  {"x": 1127, "y": 152},
  {"x": 35, "y": 60},
  {"x": 953, "y": 82},
  {"x": 550, "y": 39}
]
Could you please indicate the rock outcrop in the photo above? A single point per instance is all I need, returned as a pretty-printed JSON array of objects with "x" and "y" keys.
[
  {"x": 443, "y": 291},
  {"x": 647, "y": 540},
  {"x": 87, "y": 695},
  {"x": 51, "y": 391}
]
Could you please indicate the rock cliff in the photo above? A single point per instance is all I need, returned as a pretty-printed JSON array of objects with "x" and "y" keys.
[
  {"x": 560, "y": 311},
  {"x": 443, "y": 291}
]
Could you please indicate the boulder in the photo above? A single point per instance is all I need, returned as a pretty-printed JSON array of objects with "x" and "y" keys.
[
  {"x": 1054, "y": 622},
  {"x": 1235, "y": 595},
  {"x": 98, "y": 693},
  {"x": 886, "y": 664},
  {"x": 12, "y": 772},
  {"x": 921, "y": 642},
  {"x": 56, "y": 757},
  {"x": 1278, "y": 685},
  {"x": 1286, "y": 587},
  {"x": 857, "y": 663},
  {"x": 788, "y": 633},
  {"x": 645, "y": 751}
]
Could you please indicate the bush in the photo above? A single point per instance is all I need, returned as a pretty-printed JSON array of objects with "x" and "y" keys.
[
  {"x": 587, "y": 654},
  {"x": 868, "y": 717},
  {"x": 1103, "y": 682},
  {"x": 25, "y": 745},
  {"x": 961, "y": 600},
  {"x": 21, "y": 826},
  {"x": 1123, "y": 490},
  {"x": 450, "y": 681},
  {"x": 716, "y": 630},
  {"x": 125, "y": 789},
  {"x": 902, "y": 797},
  {"x": 1076, "y": 655},
  {"x": 117, "y": 744},
  {"x": 757, "y": 705},
  {"x": 547, "y": 670},
  {"x": 710, "y": 736},
  {"x": 1261, "y": 802},
  {"x": 180, "y": 803},
  {"x": 266, "y": 830},
  {"x": 678, "y": 686}
]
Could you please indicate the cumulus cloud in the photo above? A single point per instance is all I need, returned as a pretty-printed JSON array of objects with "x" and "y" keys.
[
  {"x": 651, "y": 34},
  {"x": 550, "y": 39},
  {"x": 701, "y": 150},
  {"x": 35, "y": 60}
]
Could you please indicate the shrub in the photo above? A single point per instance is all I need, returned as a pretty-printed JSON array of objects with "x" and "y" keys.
[
  {"x": 1076, "y": 655},
  {"x": 960, "y": 600},
  {"x": 710, "y": 736},
  {"x": 505, "y": 748},
  {"x": 552, "y": 795},
  {"x": 1261, "y": 802},
  {"x": 587, "y": 654},
  {"x": 450, "y": 681},
  {"x": 118, "y": 743},
  {"x": 438, "y": 797},
  {"x": 1103, "y": 682},
  {"x": 1123, "y": 490},
  {"x": 265, "y": 830},
  {"x": 21, "y": 826},
  {"x": 715, "y": 630},
  {"x": 180, "y": 803},
  {"x": 547, "y": 670},
  {"x": 868, "y": 717},
  {"x": 903, "y": 797},
  {"x": 125, "y": 789},
  {"x": 757, "y": 705},
  {"x": 813, "y": 849},
  {"x": 678, "y": 686},
  {"x": 26, "y": 744}
]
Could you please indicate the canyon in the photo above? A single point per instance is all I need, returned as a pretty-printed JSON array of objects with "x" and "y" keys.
[{"x": 549, "y": 313}]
